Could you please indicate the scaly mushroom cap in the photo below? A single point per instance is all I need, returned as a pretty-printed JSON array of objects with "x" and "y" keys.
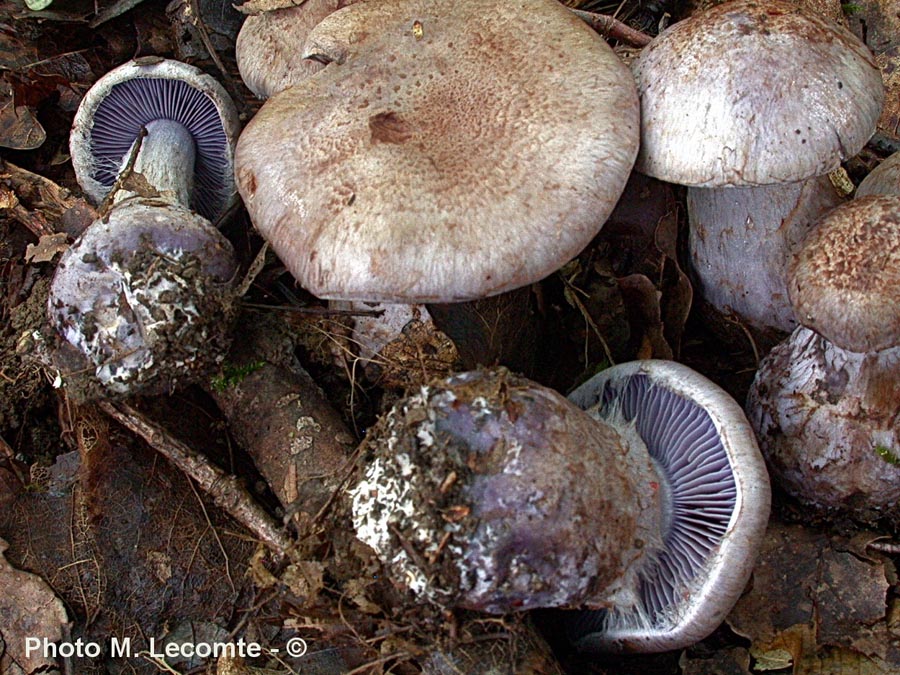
[
  {"x": 754, "y": 93},
  {"x": 449, "y": 151},
  {"x": 269, "y": 50},
  {"x": 845, "y": 281},
  {"x": 112, "y": 113},
  {"x": 717, "y": 505}
]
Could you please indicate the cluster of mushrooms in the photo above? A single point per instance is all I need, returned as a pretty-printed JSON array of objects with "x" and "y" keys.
[{"x": 414, "y": 151}]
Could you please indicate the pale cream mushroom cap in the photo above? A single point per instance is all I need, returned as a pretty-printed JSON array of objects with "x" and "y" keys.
[
  {"x": 450, "y": 151},
  {"x": 845, "y": 281},
  {"x": 269, "y": 48},
  {"x": 754, "y": 93}
]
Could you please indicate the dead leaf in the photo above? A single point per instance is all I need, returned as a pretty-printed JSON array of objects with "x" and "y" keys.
[
  {"x": 259, "y": 6},
  {"x": 889, "y": 62},
  {"x": 815, "y": 607},
  {"x": 19, "y": 128},
  {"x": 30, "y": 609},
  {"x": 47, "y": 247},
  {"x": 734, "y": 661}
]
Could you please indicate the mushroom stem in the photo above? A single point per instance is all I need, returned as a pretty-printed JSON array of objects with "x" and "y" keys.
[{"x": 165, "y": 159}]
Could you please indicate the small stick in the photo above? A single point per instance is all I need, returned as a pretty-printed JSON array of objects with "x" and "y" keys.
[
  {"x": 226, "y": 491},
  {"x": 608, "y": 26}
]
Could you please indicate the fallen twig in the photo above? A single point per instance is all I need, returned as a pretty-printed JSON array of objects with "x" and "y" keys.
[
  {"x": 608, "y": 26},
  {"x": 225, "y": 489}
]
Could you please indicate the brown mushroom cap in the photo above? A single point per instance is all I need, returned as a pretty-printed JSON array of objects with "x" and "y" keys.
[
  {"x": 449, "y": 151},
  {"x": 754, "y": 93},
  {"x": 269, "y": 47},
  {"x": 845, "y": 281}
]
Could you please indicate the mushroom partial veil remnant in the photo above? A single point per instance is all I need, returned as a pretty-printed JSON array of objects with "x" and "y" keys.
[
  {"x": 144, "y": 297},
  {"x": 716, "y": 494},
  {"x": 442, "y": 154},
  {"x": 486, "y": 491},
  {"x": 825, "y": 402},
  {"x": 754, "y": 93}
]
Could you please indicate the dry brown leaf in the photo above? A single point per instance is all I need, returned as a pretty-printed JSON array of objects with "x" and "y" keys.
[
  {"x": 812, "y": 603},
  {"x": 47, "y": 248},
  {"x": 260, "y": 6},
  {"x": 19, "y": 128},
  {"x": 30, "y": 609},
  {"x": 734, "y": 661}
]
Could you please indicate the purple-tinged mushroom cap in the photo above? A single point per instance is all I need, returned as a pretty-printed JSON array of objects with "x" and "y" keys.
[
  {"x": 754, "y": 93},
  {"x": 144, "y": 298},
  {"x": 267, "y": 52},
  {"x": 717, "y": 494},
  {"x": 185, "y": 110}
]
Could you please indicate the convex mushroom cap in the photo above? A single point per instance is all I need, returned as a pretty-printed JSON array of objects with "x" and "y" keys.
[
  {"x": 716, "y": 503},
  {"x": 449, "y": 151},
  {"x": 754, "y": 93},
  {"x": 884, "y": 179},
  {"x": 177, "y": 102},
  {"x": 267, "y": 49},
  {"x": 845, "y": 281}
]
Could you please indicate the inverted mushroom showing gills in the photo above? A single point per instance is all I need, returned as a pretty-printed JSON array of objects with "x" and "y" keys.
[
  {"x": 144, "y": 297},
  {"x": 754, "y": 93},
  {"x": 486, "y": 491},
  {"x": 191, "y": 125},
  {"x": 826, "y": 402},
  {"x": 448, "y": 151},
  {"x": 716, "y": 504}
]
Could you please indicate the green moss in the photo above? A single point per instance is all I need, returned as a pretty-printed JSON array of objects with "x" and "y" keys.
[
  {"x": 887, "y": 455},
  {"x": 233, "y": 375},
  {"x": 851, "y": 8}
]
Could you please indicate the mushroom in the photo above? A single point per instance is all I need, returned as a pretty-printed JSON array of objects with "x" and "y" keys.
[
  {"x": 267, "y": 53},
  {"x": 741, "y": 241},
  {"x": 442, "y": 154},
  {"x": 748, "y": 94},
  {"x": 716, "y": 504},
  {"x": 754, "y": 93},
  {"x": 143, "y": 298},
  {"x": 191, "y": 124},
  {"x": 468, "y": 496},
  {"x": 825, "y": 403},
  {"x": 884, "y": 179}
]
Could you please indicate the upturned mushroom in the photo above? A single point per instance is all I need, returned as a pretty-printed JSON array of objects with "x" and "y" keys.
[
  {"x": 825, "y": 403},
  {"x": 442, "y": 154},
  {"x": 142, "y": 299},
  {"x": 486, "y": 491},
  {"x": 750, "y": 94}
]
